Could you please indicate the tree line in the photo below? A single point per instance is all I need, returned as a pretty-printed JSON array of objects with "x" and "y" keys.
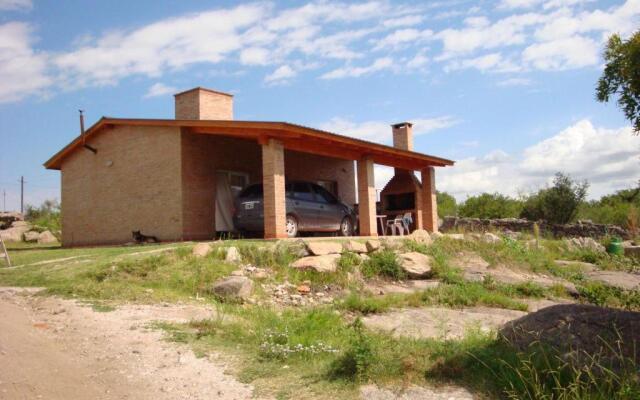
[{"x": 562, "y": 202}]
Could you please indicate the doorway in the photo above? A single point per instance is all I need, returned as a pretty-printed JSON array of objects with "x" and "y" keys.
[{"x": 228, "y": 185}]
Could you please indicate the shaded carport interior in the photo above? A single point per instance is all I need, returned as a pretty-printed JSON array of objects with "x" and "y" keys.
[{"x": 276, "y": 137}]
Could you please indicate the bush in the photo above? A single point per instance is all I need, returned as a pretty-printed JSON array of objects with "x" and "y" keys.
[
  {"x": 383, "y": 263},
  {"x": 558, "y": 204},
  {"x": 47, "y": 216},
  {"x": 446, "y": 204},
  {"x": 357, "y": 359},
  {"x": 489, "y": 205}
]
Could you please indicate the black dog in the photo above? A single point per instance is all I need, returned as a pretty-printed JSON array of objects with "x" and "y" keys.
[{"x": 140, "y": 238}]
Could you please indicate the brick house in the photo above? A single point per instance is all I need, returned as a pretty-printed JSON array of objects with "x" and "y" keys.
[{"x": 161, "y": 176}]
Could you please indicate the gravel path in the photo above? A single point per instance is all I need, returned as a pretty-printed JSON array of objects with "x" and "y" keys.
[{"x": 58, "y": 349}]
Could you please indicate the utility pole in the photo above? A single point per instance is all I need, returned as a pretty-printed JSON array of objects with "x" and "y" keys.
[
  {"x": 22, "y": 195},
  {"x": 4, "y": 200}
]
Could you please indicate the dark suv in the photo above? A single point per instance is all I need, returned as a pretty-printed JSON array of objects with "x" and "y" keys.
[{"x": 310, "y": 208}]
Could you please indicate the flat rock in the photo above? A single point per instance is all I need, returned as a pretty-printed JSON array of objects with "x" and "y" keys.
[
  {"x": 416, "y": 265},
  {"x": 47, "y": 237},
  {"x": 355, "y": 247},
  {"x": 324, "y": 248},
  {"x": 489, "y": 237},
  {"x": 440, "y": 322},
  {"x": 233, "y": 255},
  {"x": 407, "y": 287},
  {"x": 442, "y": 392},
  {"x": 581, "y": 265},
  {"x": 632, "y": 251},
  {"x": 619, "y": 279},
  {"x": 324, "y": 263},
  {"x": 31, "y": 236},
  {"x": 201, "y": 249},
  {"x": 584, "y": 243},
  {"x": 233, "y": 287},
  {"x": 372, "y": 245}
]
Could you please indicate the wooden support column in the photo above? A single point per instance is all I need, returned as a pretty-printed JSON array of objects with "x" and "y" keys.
[
  {"x": 367, "y": 198},
  {"x": 429, "y": 204},
  {"x": 274, "y": 193}
]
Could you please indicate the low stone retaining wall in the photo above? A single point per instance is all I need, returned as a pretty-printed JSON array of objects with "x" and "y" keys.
[{"x": 579, "y": 229}]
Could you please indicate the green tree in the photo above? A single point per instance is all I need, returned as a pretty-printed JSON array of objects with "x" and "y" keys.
[
  {"x": 447, "y": 205},
  {"x": 557, "y": 204},
  {"x": 621, "y": 76},
  {"x": 47, "y": 215},
  {"x": 489, "y": 205}
]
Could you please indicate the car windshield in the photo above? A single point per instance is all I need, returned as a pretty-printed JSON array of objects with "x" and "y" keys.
[{"x": 251, "y": 191}]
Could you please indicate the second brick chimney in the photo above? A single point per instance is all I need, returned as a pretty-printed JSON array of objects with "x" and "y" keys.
[
  {"x": 201, "y": 103},
  {"x": 403, "y": 136}
]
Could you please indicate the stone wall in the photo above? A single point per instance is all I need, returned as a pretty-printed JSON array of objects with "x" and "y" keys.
[{"x": 578, "y": 229}]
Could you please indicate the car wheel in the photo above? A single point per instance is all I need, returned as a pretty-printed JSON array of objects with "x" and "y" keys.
[
  {"x": 292, "y": 226},
  {"x": 346, "y": 227}
]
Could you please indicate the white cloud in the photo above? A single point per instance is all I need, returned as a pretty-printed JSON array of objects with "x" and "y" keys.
[
  {"x": 407, "y": 20},
  {"x": 23, "y": 71},
  {"x": 403, "y": 36},
  {"x": 160, "y": 89},
  {"x": 10, "y": 5},
  {"x": 568, "y": 53},
  {"x": 281, "y": 75},
  {"x": 254, "y": 56},
  {"x": 380, "y": 132},
  {"x": 354, "y": 72},
  {"x": 164, "y": 45},
  {"x": 418, "y": 61},
  {"x": 607, "y": 158},
  {"x": 493, "y": 62}
]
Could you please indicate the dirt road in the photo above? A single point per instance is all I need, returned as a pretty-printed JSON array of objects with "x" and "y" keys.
[{"x": 59, "y": 349}]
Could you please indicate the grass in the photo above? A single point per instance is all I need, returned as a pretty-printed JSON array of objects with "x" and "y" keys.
[
  {"x": 316, "y": 354},
  {"x": 119, "y": 274}
]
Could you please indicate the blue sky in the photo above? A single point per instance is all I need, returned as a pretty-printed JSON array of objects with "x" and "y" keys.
[{"x": 505, "y": 88}]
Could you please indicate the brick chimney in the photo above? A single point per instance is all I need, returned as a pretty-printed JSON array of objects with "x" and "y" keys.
[
  {"x": 403, "y": 135},
  {"x": 201, "y": 103}
]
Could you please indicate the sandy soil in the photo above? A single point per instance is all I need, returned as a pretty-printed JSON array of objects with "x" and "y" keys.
[{"x": 54, "y": 349}]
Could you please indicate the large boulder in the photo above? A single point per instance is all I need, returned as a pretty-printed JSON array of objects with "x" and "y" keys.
[
  {"x": 631, "y": 250},
  {"x": 31, "y": 236},
  {"x": 324, "y": 248},
  {"x": 7, "y": 218},
  {"x": 47, "y": 237},
  {"x": 233, "y": 288},
  {"x": 584, "y": 243},
  {"x": 421, "y": 236},
  {"x": 355, "y": 247},
  {"x": 15, "y": 232},
  {"x": 372, "y": 245},
  {"x": 233, "y": 255},
  {"x": 415, "y": 265},
  {"x": 201, "y": 249},
  {"x": 324, "y": 263}
]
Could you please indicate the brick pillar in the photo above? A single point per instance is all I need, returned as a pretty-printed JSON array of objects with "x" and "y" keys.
[
  {"x": 429, "y": 204},
  {"x": 274, "y": 194},
  {"x": 367, "y": 198}
]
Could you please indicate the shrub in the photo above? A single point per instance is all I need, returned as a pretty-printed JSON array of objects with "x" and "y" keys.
[
  {"x": 47, "y": 215},
  {"x": 557, "y": 204},
  {"x": 383, "y": 263},
  {"x": 446, "y": 204},
  {"x": 489, "y": 205},
  {"x": 357, "y": 359}
]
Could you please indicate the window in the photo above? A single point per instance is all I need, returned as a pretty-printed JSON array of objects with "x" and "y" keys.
[
  {"x": 324, "y": 196},
  {"x": 330, "y": 186},
  {"x": 302, "y": 191},
  {"x": 252, "y": 191}
]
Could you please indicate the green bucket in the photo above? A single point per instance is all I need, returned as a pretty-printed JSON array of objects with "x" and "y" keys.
[{"x": 615, "y": 247}]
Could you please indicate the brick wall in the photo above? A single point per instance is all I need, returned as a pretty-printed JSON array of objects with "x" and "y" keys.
[
  {"x": 132, "y": 183},
  {"x": 203, "y": 104},
  {"x": 202, "y": 155}
]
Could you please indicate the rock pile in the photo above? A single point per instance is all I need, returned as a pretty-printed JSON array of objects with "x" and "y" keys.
[
  {"x": 19, "y": 230},
  {"x": 323, "y": 256},
  {"x": 578, "y": 229}
]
